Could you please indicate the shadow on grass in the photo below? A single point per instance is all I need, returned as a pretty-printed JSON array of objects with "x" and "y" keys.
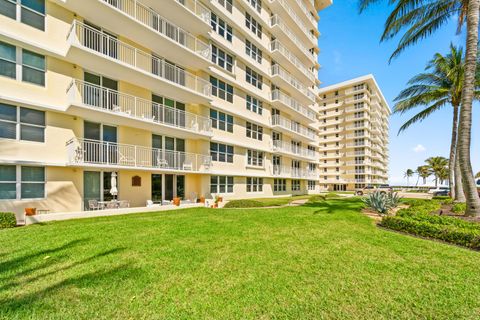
[{"x": 331, "y": 206}]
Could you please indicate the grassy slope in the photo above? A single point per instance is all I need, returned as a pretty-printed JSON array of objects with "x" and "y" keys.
[
  {"x": 276, "y": 202},
  {"x": 324, "y": 260}
]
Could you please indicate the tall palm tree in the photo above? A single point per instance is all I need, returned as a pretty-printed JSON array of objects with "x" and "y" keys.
[
  {"x": 443, "y": 175},
  {"x": 437, "y": 166},
  {"x": 418, "y": 19},
  {"x": 423, "y": 172},
  {"x": 441, "y": 85},
  {"x": 408, "y": 174}
]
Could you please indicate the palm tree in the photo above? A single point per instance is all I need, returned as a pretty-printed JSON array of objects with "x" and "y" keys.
[
  {"x": 408, "y": 174},
  {"x": 441, "y": 85},
  {"x": 418, "y": 19},
  {"x": 423, "y": 172},
  {"x": 443, "y": 175},
  {"x": 437, "y": 166}
]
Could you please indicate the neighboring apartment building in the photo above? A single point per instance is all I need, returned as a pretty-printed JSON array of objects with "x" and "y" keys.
[
  {"x": 354, "y": 135},
  {"x": 174, "y": 98}
]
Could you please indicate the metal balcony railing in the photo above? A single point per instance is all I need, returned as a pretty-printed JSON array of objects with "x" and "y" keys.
[
  {"x": 276, "y": 45},
  {"x": 282, "y": 171},
  {"x": 293, "y": 126},
  {"x": 279, "y": 145},
  {"x": 110, "y": 154},
  {"x": 133, "y": 107},
  {"x": 293, "y": 104},
  {"x": 110, "y": 47},
  {"x": 197, "y": 8},
  {"x": 277, "y": 70},
  {"x": 159, "y": 24},
  {"x": 297, "y": 20}
]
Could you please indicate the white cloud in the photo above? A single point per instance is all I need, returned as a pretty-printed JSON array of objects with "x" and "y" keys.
[{"x": 419, "y": 148}]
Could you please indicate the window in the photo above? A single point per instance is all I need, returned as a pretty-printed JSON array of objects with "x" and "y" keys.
[
  {"x": 254, "y": 184},
  {"x": 8, "y": 58},
  {"x": 22, "y": 123},
  {"x": 254, "y": 105},
  {"x": 254, "y": 78},
  {"x": 279, "y": 185},
  {"x": 21, "y": 182},
  {"x": 256, "y": 4},
  {"x": 222, "y": 59},
  {"x": 295, "y": 185},
  {"x": 254, "y": 131},
  {"x": 221, "y": 152},
  {"x": 33, "y": 64},
  {"x": 253, "y": 25},
  {"x": 221, "y": 184},
  {"x": 255, "y": 158},
  {"x": 221, "y": 121},
  {"x": 252, "y": 51},
  {"x": 221, "y": 27},
  {"x": 227, "y": 4},
  {"x": 33, "y": 67},
  {"x": 221, "y": 89},
  {"x": 32, "y": 12},
  {"x": 311, "y": 185}
]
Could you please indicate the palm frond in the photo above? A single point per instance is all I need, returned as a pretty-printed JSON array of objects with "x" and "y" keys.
[{"x": 422, "y": 115}]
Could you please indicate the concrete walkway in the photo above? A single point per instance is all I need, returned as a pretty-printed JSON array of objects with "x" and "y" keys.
[{"x": 41, "y": 218}]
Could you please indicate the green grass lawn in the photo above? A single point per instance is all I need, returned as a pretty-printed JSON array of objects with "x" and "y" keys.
[
  {"x": 276, "y": 202},
  {"x": 322, "y": 260}
]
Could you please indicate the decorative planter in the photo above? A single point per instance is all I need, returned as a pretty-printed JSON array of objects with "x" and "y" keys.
[
  {"x": 176, "y": 201},
  {"x": 202, "y": 199},
  {"x": 220, "y": 199},
  {"x": 30, "y": 211}
]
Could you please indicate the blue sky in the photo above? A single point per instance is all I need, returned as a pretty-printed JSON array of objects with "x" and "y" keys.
[{"x": 350, "y": 47}]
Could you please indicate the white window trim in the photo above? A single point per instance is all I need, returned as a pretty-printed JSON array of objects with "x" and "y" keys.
[{"x": 18, "y": 183}]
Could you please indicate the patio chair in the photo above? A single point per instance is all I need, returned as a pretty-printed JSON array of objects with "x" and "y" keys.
[
  {"x": 94, "y": 205},
  {"x": 187, "y": 166},
  {"x": 124, "y": 204},
  {"x": 112, "y": 205}
]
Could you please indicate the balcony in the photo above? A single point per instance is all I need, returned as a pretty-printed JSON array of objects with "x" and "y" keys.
[
  {"x": 295, "y": 20},
  {"x": 307, "y": 12},
  {"x": 290, "y": 172},
  {"x": 197, "y": 18},
  {"x": 98, "y": 51},
  {"x": 283, "y": 100},
  {"x": 101, "y": 154},
  {"x": 288, "y": 126},
  {"x": 134, "y": 111},
  {"x": 140, "y": 24},
  {"x": 286, "y": 35},
  {"x": 285, "y": 57},
  {"x": 282, "y": 78},
  {"x": 289, "y": 149}
]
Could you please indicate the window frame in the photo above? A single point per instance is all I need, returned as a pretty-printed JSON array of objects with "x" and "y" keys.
[
  {"x": 19, "y": 183},
  {"x": 222, "y": 59},
  {"x": 18, "y": 124},
  {"x": 254, "y": 184},
  {"x": 254, "y": 78},
  {"x": 254, "y": 131},
  {"x": 221, "y": 89},
  {"x": 279, "y": 185},
  {"x": 254, "y": 105},
  {"x": 217, "y": 120},
  {"x": 228, "y": 185},
  {"x": 255, "y": 158},
  {"x": 221, "y": 152}
]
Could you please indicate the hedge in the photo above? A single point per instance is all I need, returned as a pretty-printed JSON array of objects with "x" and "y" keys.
[
  {"x": 7, "y": 220},
  {"x": 419, "y": 220},
  {"x": 244, "y": 204}
]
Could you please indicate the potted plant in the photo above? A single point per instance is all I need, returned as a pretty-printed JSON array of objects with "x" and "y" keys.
[
  {"x": 202, "y": 199},
  {"x": 176, "y": 201},
  {"x": 30, "y": 211},
  {"x": 218, "y": 199}
]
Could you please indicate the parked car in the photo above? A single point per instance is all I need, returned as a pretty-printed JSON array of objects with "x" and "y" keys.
[
  {"x": 441, "y": 192},
  {"x": 371, "y": 189}
]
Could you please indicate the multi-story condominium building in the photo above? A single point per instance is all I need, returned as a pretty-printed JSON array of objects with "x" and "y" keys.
[
  {"x": 353, "y": 131},
  {"x": 166, "y": 98}
]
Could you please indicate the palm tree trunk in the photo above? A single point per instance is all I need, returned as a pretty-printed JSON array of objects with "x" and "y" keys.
[
  {"x": 465, "y": 128},
  {"x": 459, "y": 194},
  {"x": 451, "y": 161}
]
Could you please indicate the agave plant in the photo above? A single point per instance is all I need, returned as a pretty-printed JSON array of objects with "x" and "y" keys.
[{"x": 382, "y": 202}]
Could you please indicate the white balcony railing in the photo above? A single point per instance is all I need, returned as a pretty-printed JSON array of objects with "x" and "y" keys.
[
  {"x": 197, "y": 8},
  {"x": 275, "y": 20},
  {"x": 276, "y": 45},
  {"x": 112, "y": 48},
  {"x": 293, "y": 104},
  {"x": 277, "y": 70},
  {"x": 283, "y": 146},
  {"x": 159, "y": 24},
  {"x": 293, "y": 126},
  {"x": 133, "y": 107},
  {"x": 285, "y": 171},
  {"x": 109, "y": 154},
  {"x": 297, "y": 20}
]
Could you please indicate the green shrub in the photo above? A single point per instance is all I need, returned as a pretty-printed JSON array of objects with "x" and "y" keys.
[
  {"x": 7, "y": 220},
  {"x": 468, "y": 237},
  {"x": 441, "y": 198},
  {"x": 459, "y": 207},
  {"x": 317, "y": 198},
  {"x": 244, "y": 204}
]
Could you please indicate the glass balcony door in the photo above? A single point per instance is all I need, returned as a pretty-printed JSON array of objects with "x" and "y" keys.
[{"x": 103, "y": 92}]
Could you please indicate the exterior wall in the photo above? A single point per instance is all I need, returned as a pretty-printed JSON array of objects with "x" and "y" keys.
[{"x": 65, "y": 112}]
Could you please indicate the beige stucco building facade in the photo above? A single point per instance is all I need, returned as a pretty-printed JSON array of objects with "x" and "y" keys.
[
  {"x": 176, "y": 98},
  {"x": 354, "y": 135}
]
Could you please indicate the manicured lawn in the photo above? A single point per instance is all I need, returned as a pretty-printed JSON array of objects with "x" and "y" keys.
[
  {"x": 323, "y": 260},
  {"x": 276, "y": 202}
]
